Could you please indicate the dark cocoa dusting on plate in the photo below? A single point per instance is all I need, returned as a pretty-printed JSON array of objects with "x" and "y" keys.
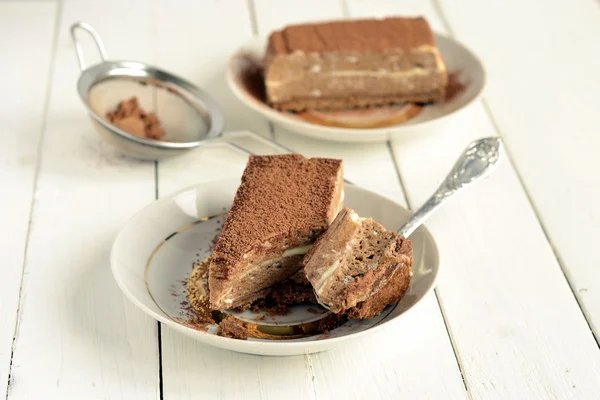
[
  {"x": 198, "y": 307},
  {"x": 454, "y": 87},
  {"x": 191, "y": 318},
  {"x": 253, "y": 78}
]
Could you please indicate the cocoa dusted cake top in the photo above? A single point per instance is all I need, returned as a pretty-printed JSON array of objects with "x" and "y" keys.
[
  {"x": 342, "y": 65},
  {"x": 278, "y": 195},
  {"x": 359, "y": 35}
]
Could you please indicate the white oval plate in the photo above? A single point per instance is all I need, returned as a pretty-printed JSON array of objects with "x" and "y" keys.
[
  {"x": 153, "y": 256},
  {"x": 460, "y": 61}
]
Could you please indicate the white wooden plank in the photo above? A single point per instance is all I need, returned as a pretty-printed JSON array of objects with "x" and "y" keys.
[
  {"x": 21, "y": 119},
  {"x": 427, "y": 367},
  {"x": 412, "y": 360},
  {"x": 78, "y": 337},
  {"x": 192, "y": 370},
  {"x": 517, "y": 330},
  {"x": 516, "y": 326},
  {"x": 205, "y": 372},
  {"x": 546, "y": 109},
  {"x": 196, "y": 39}
]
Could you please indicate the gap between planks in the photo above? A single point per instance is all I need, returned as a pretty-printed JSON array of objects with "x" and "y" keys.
[
  {"x": 159, "y": 346},
  {"x": 311, "y": 373},
  {"x": 308, "y": 358},
  {"x": 440, "y": 12},
  {"x": 346, "y": 14},
  {"x": 36, "y": 173},
  {"x": 254, "y": 26},
  {"x": 158, "y": 323},
  {"x": 437, "y": 296}
]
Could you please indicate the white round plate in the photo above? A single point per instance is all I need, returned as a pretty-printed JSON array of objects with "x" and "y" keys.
[
  {"x": 153, "y": 255},
  {"x": 461, "y": 63}
]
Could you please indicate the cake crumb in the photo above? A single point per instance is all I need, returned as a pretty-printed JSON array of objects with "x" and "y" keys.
[{"x": 232, "y": 327}]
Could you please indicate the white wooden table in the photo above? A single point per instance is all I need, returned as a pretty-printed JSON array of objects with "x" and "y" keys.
[{"x": 516, "y": 314}]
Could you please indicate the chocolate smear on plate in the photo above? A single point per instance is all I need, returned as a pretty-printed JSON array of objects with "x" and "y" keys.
[
  {"x": 455, "y": 87},
  {"x": 252, "y": 76}
]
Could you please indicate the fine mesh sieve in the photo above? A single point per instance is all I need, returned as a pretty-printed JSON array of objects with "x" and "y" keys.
[{"x": 189, "y": 116}]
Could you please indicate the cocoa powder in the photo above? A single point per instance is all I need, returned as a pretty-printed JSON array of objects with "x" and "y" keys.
[{"x": 130, "y": 117}]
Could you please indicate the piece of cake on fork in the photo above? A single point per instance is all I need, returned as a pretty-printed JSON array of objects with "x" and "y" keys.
[
  {"x": 358, "y": 267},
  {"x": 347, "y": 64},
  {"x": 282, "y": 205}
]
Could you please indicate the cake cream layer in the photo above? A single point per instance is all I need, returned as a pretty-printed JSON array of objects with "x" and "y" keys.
[
  {"x": 426, "y": 86},
  {"x": 282, "y": 205},
  {"x": 376, "y": 59}
]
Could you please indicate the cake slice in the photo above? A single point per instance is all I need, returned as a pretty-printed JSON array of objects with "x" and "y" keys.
[
  {"x": 347, "y": 64},
  {"x": 358, "y": 267},
  {"x": 283, "y": 204}
]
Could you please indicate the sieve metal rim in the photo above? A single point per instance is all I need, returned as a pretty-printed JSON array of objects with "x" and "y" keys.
[{"x": 106, "y": 69}]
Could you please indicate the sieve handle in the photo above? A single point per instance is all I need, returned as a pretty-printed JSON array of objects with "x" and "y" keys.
[
  {"x": 284, "y": 149},
  {"x": 89, "y": 29},
  {"x": 224, "y": 140},
  {"x": 269, "y": 142}
]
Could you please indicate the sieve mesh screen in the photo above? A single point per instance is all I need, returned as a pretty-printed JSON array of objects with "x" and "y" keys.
[{"x": 183, "y": 119}]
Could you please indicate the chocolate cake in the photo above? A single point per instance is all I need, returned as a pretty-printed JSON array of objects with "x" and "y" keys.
[
  {"x": 346, "y": 64},
  {"x": 283, "y": 204},
  {"x": 358, "y": 267},
  {"x": 294, "y": 290}
]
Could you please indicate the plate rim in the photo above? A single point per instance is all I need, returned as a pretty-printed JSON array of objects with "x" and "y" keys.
[
  {"x": 237, "y": 344},
  {"x": 358, "y": 135}
]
